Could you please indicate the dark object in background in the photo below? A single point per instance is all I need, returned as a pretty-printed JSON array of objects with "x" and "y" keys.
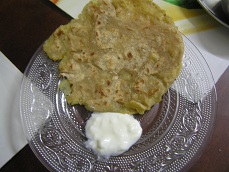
[{"x": 190, "y": 4}]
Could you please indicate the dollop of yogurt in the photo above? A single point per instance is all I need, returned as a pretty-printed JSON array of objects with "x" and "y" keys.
[{"x": 111, "y": 134}]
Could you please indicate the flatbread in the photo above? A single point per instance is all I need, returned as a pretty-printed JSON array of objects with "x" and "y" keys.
[{"x": 118, "y": 56}]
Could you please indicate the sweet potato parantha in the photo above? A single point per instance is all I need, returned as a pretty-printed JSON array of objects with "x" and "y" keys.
[{"x": 118, "y": 56}]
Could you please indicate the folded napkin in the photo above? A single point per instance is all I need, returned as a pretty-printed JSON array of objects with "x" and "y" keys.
[
  {"x": 12, "y": 138},
  {"x": 213, "y": 45}
]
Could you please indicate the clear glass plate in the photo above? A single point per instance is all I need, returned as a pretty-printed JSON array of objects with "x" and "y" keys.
[{"x": 175, "y": 130}]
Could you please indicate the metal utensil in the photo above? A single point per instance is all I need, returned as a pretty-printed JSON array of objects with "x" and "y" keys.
[
  {"x": 225, "y": 6},
  {"x": 215, "y": 9}
]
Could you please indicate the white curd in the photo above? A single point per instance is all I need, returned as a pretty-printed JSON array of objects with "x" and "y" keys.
[{"x": 111, "y": 134}]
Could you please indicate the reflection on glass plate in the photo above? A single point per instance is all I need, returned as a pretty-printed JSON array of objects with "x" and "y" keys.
[{"x": 174, "y": 130}]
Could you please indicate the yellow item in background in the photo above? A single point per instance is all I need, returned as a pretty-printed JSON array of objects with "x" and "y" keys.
[{"x": 188, "y": 21}]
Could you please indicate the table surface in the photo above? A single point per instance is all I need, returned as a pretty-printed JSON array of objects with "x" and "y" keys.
[{"x": 25, "y": 24}]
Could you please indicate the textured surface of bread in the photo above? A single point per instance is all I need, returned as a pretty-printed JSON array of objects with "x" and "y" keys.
[{"x": 118, "y": 56}]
